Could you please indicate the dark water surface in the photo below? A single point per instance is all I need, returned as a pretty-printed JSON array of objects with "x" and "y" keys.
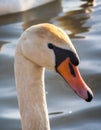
[{"x": 81, "y": 19}]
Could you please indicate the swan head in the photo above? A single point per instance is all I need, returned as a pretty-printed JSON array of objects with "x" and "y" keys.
[{"x": 48, "y": 46}]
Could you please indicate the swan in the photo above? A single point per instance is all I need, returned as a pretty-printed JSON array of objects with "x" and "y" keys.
[
  {"x": 13, "y": 6},
  {"x": 44, "y": 45}
]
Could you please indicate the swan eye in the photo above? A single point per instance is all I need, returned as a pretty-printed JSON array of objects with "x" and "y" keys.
[{"x": 50, "y": 45}]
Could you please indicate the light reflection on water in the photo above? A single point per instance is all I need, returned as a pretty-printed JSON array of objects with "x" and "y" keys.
[
  {"x": 81, "y": 20},
  {"x": 75, "y": 20}
]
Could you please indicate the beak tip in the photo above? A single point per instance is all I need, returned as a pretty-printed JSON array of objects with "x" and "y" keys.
[{"x": 90, "y": 97}]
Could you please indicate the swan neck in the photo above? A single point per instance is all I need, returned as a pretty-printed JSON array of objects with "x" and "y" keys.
[{"x": 31, "y": 94}]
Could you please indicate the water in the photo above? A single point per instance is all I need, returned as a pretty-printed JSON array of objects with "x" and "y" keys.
[{"x": 81, "y": 19}]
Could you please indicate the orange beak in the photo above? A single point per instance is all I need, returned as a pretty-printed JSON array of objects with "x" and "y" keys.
[{"x": 72, "y": 76}]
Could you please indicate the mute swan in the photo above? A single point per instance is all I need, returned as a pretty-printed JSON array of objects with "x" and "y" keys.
[
  {"x": 13, "y": 6},
  {"x": 44, "y": 45}
]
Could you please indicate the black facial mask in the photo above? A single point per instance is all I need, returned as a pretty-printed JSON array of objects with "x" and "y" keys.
[{"x": 62, "y": 54}]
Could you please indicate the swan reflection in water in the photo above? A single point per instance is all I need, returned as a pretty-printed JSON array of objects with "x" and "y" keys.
[{"x": 75, "y": 21}]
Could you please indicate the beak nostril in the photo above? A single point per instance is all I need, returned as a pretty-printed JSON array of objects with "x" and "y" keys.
[
  {"x": 72, "y": 70},
  {"x": 90, "y": 97}
]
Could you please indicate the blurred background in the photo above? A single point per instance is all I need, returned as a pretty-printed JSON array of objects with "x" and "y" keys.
[{"x": 81, "y": 19}]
